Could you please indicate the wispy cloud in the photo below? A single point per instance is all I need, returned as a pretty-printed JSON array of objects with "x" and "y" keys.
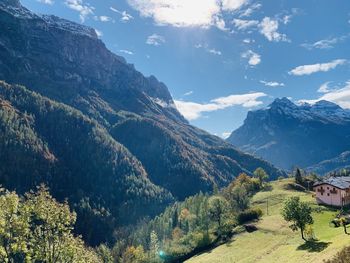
[
  {"x": 248, "y": 40},
  {"x": 208, "y": 49},
  {"x": 84, "y": 9},
  {"x": 155, "y": 40},
  {"x": 241, "y": 24},
  {"x": 125, "y": 51},
  {"x": 272, "y": 83},
  {"x": 324, "y": 88},
  {"x": 47, "y": 2},
  {"x": 215, "y": 52},
  {"x": 319, "y": 67},
  {"x": 269, "y": 28},
  {"x": 188, "y": 93},
  {"x": 125, "y": 17},
  {"x": 194, "y": 110},
  {"x": 340, "y": 96},
  {"x": 253, "y": 58},
  {"x": 104, "y": 18},
  {"x": 324, "y": 43},
  {"x": 187, "y": 13},
  {"x": 250, "y": 10}
]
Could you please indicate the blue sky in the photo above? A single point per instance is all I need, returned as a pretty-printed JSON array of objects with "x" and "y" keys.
[{"x": 222, "y": 58}]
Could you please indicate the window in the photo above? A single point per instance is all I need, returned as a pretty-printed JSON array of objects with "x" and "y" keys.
[
  {"x": 327, "y": 194},
  {"x": 327, "y": 188}
]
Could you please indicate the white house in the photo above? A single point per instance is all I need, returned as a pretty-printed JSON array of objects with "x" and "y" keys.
[{"x": 333, "y": 191}]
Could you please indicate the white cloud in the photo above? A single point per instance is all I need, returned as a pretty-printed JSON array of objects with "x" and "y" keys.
[
  {"x": 188, "y": 93},
  {"x": 125, "y": 17},
  {"x": 225, "y": 135},
  {"x": 215, "y": 52},
  {"x": 232, "y": 5},
  {"x": 272, "y": 83},
  {"x": 155, "y": 40},
  {"x": 339, "y": 96},
  {"x": 320, "y": 67},
  {"x": 209, "y": 50},
  {"x": 324, "y": 88},
  {"x": 105, "y": 18},
  {"x": 253, "y": 58},
  {"x": 324, "y": 43},
  {"x": 250, "y": 10},
  {"x": 128, "y": 52},
  {"x": 241, "y": 24},
  {"x": 187, "y": 13},
  {"x": 269, "y": 28},
  {"x": 78, "y": 5},
  {"x": 194, "y": 110},
  {"x": 48, "y": 2},
  {"x": 248, "y": 40},
  {"x": 286, "y": 19},
  {"x": 220, "y": 24}
]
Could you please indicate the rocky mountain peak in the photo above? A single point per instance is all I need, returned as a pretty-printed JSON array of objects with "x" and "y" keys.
[
  {"x": 282, "y": 102},
  {"x": 326, "y": 105}
]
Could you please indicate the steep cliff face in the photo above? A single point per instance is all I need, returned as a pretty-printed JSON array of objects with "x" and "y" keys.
[
  {"x": 286, "y": 134},
  {"x": 67, "y": 62}
]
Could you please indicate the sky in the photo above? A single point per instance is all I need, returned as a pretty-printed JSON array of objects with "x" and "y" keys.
[{"x": 223, "y": 58}]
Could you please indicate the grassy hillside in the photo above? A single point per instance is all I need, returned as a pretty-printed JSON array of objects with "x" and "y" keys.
[{"x": 275, "y": 241}]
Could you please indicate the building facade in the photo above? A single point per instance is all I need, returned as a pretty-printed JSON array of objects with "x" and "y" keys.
[{"x": 334, "y": 191}]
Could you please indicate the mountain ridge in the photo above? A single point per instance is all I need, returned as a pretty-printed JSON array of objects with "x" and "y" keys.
[{"x": 287, "y": 134}]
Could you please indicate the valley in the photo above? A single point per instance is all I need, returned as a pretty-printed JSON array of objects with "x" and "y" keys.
[{"x": 101, "y": 163}]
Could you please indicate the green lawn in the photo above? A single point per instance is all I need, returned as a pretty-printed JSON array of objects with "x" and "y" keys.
[{"x": 274, "y": 241}]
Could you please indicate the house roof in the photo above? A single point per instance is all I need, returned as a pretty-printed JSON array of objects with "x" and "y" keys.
[{"x": 339, "y": 182}]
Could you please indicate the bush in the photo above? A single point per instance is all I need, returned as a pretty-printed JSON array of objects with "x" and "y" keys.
[{"x": 249, "y": 215}]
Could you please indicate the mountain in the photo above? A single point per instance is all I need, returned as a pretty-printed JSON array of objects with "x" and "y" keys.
[
  {"x": 287, "y": 134},
  {"x": 82, "y": 120},
  {"x": 337, "y": 163}
]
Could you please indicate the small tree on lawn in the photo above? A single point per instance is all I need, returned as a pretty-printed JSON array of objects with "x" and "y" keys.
[
  {"x": 298, "y": 213},
  {"x": 261, "y": 175}
]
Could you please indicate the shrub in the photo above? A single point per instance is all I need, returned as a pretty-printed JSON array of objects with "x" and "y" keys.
[{"x": 249, "y": 215}]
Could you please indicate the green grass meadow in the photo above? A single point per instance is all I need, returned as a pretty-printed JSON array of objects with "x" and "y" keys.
[{"x": 274, "y": 241}]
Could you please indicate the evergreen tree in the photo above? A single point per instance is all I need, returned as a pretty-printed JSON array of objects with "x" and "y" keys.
[{"x": 298, "y": 177}]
